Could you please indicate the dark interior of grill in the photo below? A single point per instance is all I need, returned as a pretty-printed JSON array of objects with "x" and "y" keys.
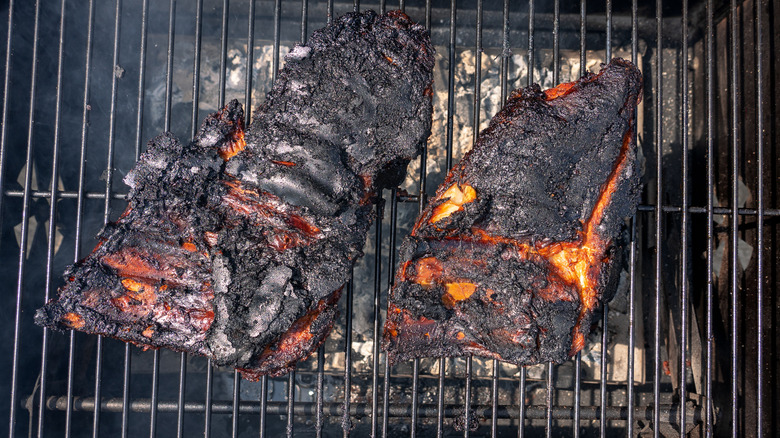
[{"x": 688, "y": 346}]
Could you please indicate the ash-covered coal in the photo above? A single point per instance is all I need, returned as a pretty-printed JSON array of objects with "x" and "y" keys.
[
  {"x": 518, "y": 248},
  {"x": 237, "y": 245}
]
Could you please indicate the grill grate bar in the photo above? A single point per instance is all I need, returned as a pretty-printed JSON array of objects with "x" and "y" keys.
[
  {"x": 415, "y": 397},
  {"x": 475, "y": 124},
  {"x": 263, "y": 403},
  {"x": 440, "y": 398},
  {"x": 377, "y": 317},
  {"x": 578, "y": 357},
  {"x": 197, "y": 41},
  {"x": 632, "y": 258},
  {"x": 734, "y": 222},
  {"x": 643, "y": 208},
  {"x": 139, "y": 119},
  {"x": 710, "y": 37},
  {"x": 24, "y": 225},
  {"x": 155, "y": 390},
  {"x": 685, "y": 114},
  {"x": 126, "y": 392},
  {"x": 448, "y": 165},
  {"x": 522, "y": 410},
  {"x": 390, "y": 282},
  {"x": 51, "y": 232},
  {"x": 290, "y": 404},
  {"x": 180, "y": 400},
  {"x": 6, "y": 88},
  {"x": 345, "y": 421},
  {"x": 605, "y": 306},
  {"x": 631, "y": 330},
  {"x": 658, "y": 219},
  {"x": 320, "y": 378},
  {"x": 504, "y": 73},
  {"x": 422, "y": 198},
  {"x": 236, "y": 402},
  {"x": 760, "y": 219},
  {"x": 556, "y": 78},
  {"x": 109, "y": 172},
  {"x": 669, "y": 412}
]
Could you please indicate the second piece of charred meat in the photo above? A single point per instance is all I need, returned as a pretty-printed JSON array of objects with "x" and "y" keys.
[
  {"x": 512, "y": 257},
  {"x": 237, "y": 245}
]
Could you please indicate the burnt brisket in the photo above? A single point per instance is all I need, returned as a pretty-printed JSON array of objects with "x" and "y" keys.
[
  {"x": 516, "y": 251},
  {"x": 237, "y": 245}
]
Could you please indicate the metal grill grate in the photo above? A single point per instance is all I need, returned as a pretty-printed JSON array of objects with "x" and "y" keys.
[{"x": 688, "y": 346}]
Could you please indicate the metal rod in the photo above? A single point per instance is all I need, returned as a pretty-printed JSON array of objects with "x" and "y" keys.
[
  {"x": 522, "y": 411},
  {"x": 377, "y": 317},
  {"x": 556, "y": 41},
  {"x": 169, "y": 64},
  {"x": 107, "y": 204},
  {"x": 291, "y": 403},
  {"x": 400, "y": 410},
  {"x": 440, "y": 398},
  {"x": 180, "y": 400},
  {"x": 139, "y": 117},
  {"x": 24, "y": 225},
  {"x": 608, "y": 32},
  {"x": 451, "y": 82},
  {"x": 583, "y": 35},
  {"x": 320, "y": 378},
  {"x": 236, "y": 403},
  {"x": 603, "y": 372},
  {"x": 684, "y": 220},
  {"x": 6, "y": 88},
  {"x": 250, "y": 60},
  {"x": 415, "y": 396},
  {"x": 631, "y": 329},
  {"x": 760, "y": 219},
  {"x": 494, "y": 400},
  {"x": 346, "y": 421},
  {"x": 264, "y": 404},
  {"x": 304, "y": 20},
  {"x": 277, "y": 30},
  {"x": 207, "y": 411},
  {"x": 126, "y": 392},
  {"x": 632, "y": 258},
  {"x": 406, "y": 198},
  {"x": 530, "y": 42},
  {"x": 390, "y": 282},
  {"x": 710, "y": 40},
  {"x": 223, "y": 39},
  {"x": 154, "y": 402},
  {"x": 196, "y": 67},
  {"x": 80, "y": 204},
  {"x": 467, "y": 400},
  {"x": 578, "y": 357},
  {"x": 549, "y": 399},
  {"x": 658, "y": 218},
  {"x": 51, "y": 231},
  {"x": 734, "y": 221},
  {"x": 505, "y": 54}
]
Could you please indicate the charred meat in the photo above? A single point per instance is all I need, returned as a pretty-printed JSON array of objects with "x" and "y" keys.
[
  {"x": 236, "y": 246},
  {"x": 514, "y": 254}
]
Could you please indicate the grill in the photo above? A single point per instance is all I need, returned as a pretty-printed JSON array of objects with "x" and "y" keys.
[{"x": 688, "y": 346}]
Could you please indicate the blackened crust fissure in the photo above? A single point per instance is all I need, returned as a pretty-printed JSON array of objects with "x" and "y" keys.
[
  {"x": 236, "y": 246},
  {"x": 512, "y": 257}
]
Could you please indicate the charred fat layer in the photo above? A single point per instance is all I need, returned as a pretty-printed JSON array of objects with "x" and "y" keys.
[
  {"x": 236, "y": 246},
  {"x": 515, "y": 253}
]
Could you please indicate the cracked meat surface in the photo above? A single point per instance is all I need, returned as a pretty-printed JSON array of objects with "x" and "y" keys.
[
  {"x": 518, "y": 248},
  {"x": 237, "y": 245}
]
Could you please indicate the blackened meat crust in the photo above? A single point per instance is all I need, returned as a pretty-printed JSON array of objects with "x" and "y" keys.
[
  {"x": 236, "y": 246},
  {"x": 515, "y": 253}
]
